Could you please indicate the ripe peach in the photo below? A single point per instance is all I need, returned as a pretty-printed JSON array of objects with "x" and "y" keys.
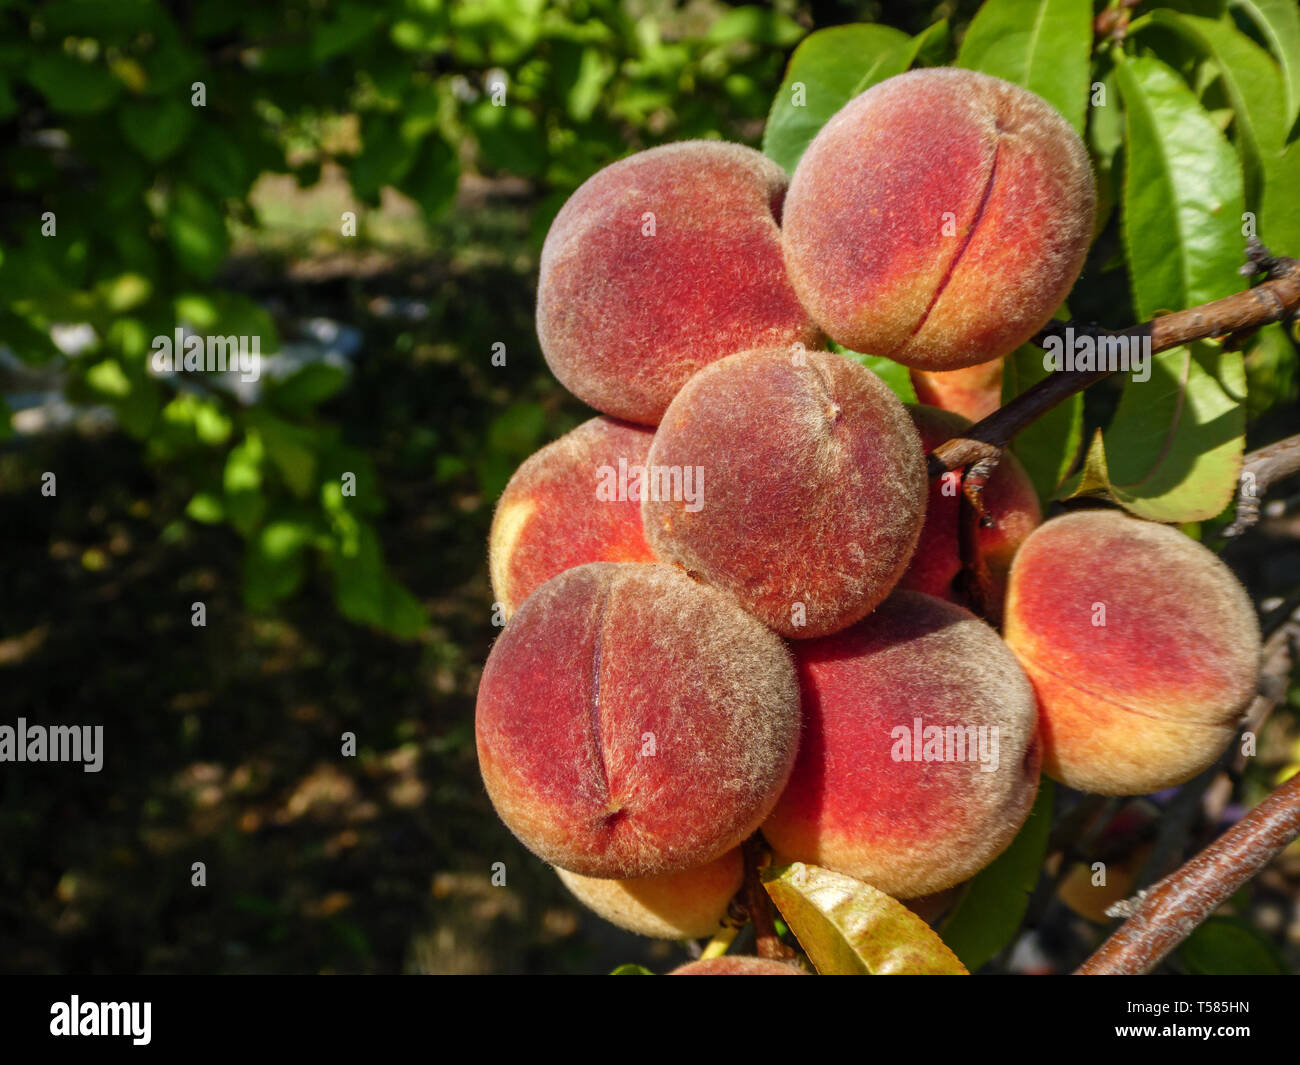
[
  {"x": 814, "y": 487},
  {"x": 688, "y": 905},
  {"x": 974, "y": 392},
  {"x": 631, "y": 722},
  {"x": 557, "y": 512},
  {"x": 939, "y": 218},
  {"x": 1142, "y": 646},
  {"x": 659, "y": 264},
  {"x": 1009, "y": 498},
  {"x": 737, "y": 965},
  {"x": 919, "y": 759}
]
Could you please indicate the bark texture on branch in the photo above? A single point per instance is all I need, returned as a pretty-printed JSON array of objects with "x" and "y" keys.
[
  {"x": 1273, "y": 300},
  {"x": 1167, "y": 914}
]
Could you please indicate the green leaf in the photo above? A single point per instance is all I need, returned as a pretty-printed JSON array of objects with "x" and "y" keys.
[
  {"x": 206, "y": 508},
  {"x": 156, "y": 128},
  {"x": 932, "y": 43},
  {"x": 1183, "y": 196},
  {"x": 1041, "y": 45},
  {"x": 759, "y": 25},
  {"x": 196, "y": 231},
  {"x": 71, "y": 86},
  {"x": 894, "y": 374},
  {"x": 828, "y": 69},
  {"x": 1172, "y": 452},
  {"x": 352, "y": 24},
  {"x": 1279, "y": 212},
  {"x": 274, "y": 565},
  {"x": 509, "y": 138},
  {"x": 365, "y": 593},
  {"x": 311, "y": 385},
  {"x": 1048, "y": 446},
  {"x": 1226, "y": 946},
  {"x": 1279, "y": 21},
  {"x": 292, "y": 449},
  {"x": 847, "y": 927},
  {"x": 433, "y": 179},
  {"x": 631, "y": 969},
  {"x": 1271, "y": 364},
  {"x": 1251, "y": 78},
  {"x": 990, "y": 910}
]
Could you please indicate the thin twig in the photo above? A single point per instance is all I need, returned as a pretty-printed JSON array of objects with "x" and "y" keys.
[
  {"x": 1163, "y": 917},
  {"x": 1273, "y": 300},
  {"x": 1260, "y": 470},
  {"x": 758, "y": 903}
]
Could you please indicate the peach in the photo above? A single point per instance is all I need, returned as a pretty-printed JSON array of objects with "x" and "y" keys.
[
  {"x": 1142, "y": 646},
  {"x": 566, "y": 505},
  {"x": 974, "y": 392},
  {"x": 1009, "y": 499},
  {"x": 813, "y": 487},
  {"x": 691, "y": 904},
  {"x": 939, "y": 219},
  {"x": 919, "y": 759},
  {"x": 659, "y": 264},
  {"x": 631, "y": 722},
  {"x": 737, "y": 965}
]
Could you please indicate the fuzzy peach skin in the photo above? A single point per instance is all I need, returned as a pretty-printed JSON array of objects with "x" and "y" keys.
[
  {"x": 813, "y": 487},
  {"x": 631, "y": 722},
  {"x": 687, "y": 905},
  {"x": 939, "y": 218},
  {"x": 1010, "y": 500},
  {"x": 737, "y": 965},
  {"x": 659, "y": 264},
  {"x": 552, "y": 515},
  {"x": 854, "y": 804},
  {"x": 1151, "y": 695},
  {"x": 974, "y": 392}
]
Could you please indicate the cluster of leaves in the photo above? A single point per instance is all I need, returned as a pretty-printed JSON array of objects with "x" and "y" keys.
[
  {"x": 134, "y": 132},
  {"x": 1189, "y": 113}
]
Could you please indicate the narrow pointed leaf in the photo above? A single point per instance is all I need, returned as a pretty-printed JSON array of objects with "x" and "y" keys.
[
  {"x": 827, "y": 70},
  {"x": 1042, "y": 45},
  {"x": 1279, "y": 22}
]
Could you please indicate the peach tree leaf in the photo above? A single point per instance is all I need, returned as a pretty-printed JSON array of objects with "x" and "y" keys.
[
  {"x": 992, "y": 906},
  {"x": 1041, "y": 45},
  {"x": 847, "y": 927},
  {"x": 827, "y": 70},
  {"x": 1279, "y": 22},
  {"x": 1183, "y": 196},
  {"x": 1225, "y": 946},
  {"x": 1251, "y": 78},
  {"x": 1173, "y": 450}
]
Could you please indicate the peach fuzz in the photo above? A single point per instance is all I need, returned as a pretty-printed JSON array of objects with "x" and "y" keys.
[
  {"x": 691, "y": 904},
  {"x": 631, "y": 722},
  {"x": 737, "y": 965},
  {"x": 813, "y": 487},
  {"x": 1009, "y": 499},
  {"x": 909, "y": 812},
  {"x": 1143, "y": 648},
  {"x": 939, "y": 218},
  {"x": 552, "y": 515},
  {"x": 659, "y": 264}
]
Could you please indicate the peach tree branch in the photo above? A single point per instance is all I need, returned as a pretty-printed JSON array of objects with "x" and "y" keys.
[
  {"x": 1164, "y": 916},
  {"x": 1275, "y": 299}
]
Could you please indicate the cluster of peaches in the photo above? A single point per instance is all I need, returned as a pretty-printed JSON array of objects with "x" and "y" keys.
[{"x": 735, "y": 598}]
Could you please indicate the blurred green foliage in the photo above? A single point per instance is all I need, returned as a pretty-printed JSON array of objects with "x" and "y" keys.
[{"x": 134, "y": 133}]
